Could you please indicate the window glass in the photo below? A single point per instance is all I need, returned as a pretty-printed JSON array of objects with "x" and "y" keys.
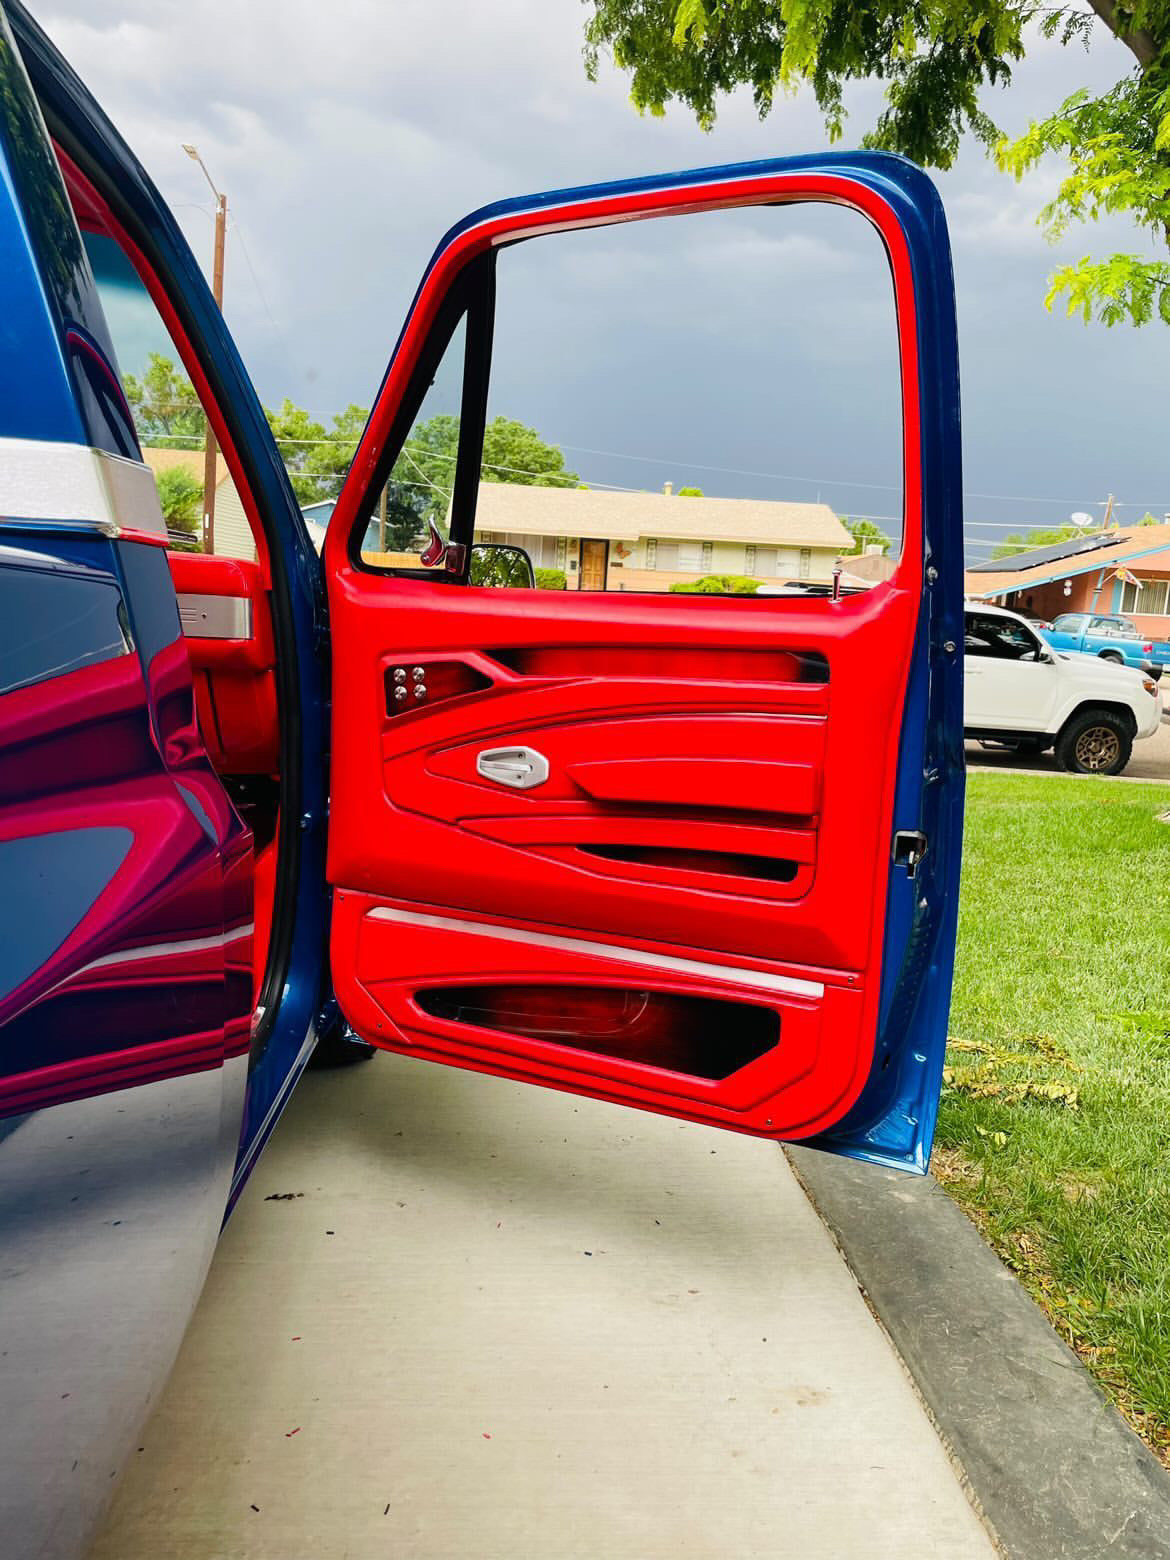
[
  {"x": 1069, "y": 623},
  {"x": 1148, "y": 597},
  {"x": 168, "y": 416},
  {"x": 1001, "y": 639},
  {"x": 414, "y": 504},
  {"x": 705, "y": 403},
  {"x": 55, "y": 621}
]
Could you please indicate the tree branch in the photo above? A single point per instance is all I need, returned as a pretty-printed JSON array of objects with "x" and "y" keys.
[{"x": 1139, "y": 42}]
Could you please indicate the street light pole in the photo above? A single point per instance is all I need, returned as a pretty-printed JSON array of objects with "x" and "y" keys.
[{"x": 209, "y": 454}]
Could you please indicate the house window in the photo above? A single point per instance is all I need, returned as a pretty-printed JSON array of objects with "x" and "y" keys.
[
  {"x": 805, "y": 562},
  {"x": 652, "y": 553},
  {"x": 690, "y": 557},
  {"x": 1147, "y": 597},
  {"x": 749, "y": 560},
  {"x": 705, "y": 557}
]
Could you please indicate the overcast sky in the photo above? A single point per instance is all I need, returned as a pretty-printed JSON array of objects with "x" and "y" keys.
[{"x": 349, "y": 136}]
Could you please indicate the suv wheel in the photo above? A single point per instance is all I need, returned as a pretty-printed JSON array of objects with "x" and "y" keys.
[
  {"x": 1095, "y": 742},
  {"x": 1112, "y": 656}
]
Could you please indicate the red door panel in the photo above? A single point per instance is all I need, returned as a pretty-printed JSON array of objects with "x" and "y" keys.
[
  {"x": 407, "y": 953},
  {"x": 696, "y": 809},
  {"x": 632, "y": 846},
  {"x": 227, "y": 625}
]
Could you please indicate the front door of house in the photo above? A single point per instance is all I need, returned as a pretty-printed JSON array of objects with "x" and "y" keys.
[{"x": 593, "y": 560}]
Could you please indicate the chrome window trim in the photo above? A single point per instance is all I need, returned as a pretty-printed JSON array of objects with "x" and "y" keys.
[
  {"x": 48, "y": 484},
  {"x": 215, "y": 617},
  {"x": 761, "y": 980}
]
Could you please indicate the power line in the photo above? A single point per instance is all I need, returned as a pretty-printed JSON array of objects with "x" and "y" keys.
[{"x": 248, "y": 257}]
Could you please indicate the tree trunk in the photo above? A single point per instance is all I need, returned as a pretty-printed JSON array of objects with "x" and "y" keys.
[{"x": 1138, "y": 41}]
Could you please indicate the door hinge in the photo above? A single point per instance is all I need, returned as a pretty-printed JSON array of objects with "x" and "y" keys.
[{"x": 910, "y": 845}]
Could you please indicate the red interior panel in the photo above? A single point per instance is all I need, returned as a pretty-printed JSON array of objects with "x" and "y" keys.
[
  {"x": 791, "y": 1088},
  {"x": 235, "y": 686},
  {"x": 702, "y": 1036},
  {"x": 660, "y": 739},
  {"x": 677, "y": 774}
]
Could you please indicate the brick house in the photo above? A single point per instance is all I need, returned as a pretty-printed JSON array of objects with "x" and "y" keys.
[{"x": 1124, "y": 569}]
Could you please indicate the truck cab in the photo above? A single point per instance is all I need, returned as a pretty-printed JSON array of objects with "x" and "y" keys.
[{"x": 1110, "y": 637}]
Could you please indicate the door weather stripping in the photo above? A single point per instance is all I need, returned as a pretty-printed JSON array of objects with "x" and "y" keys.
[
  {"x": 519, "y": 767},
  {"x": 663, "y": 963}
]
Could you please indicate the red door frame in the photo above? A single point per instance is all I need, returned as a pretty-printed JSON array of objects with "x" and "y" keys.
[{"x": 390, "y": 932}]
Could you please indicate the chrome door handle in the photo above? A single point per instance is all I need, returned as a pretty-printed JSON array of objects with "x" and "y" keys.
[{"x": 519, "y": 767}]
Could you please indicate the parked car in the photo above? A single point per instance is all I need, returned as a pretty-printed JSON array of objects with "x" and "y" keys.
[
  {"x": 613, "y": 845},
  {"x": 1110, "y": 637},
  {"x": 1022, "y": 693}
]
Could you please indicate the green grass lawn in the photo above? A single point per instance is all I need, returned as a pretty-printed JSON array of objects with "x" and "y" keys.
[{"x": 1054, "y": 1131}]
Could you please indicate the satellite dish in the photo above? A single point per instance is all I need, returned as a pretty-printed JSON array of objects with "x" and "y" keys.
[{"x": 1081, "y": 519}]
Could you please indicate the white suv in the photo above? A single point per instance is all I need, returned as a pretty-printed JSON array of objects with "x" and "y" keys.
[{"x": 1021, "y": 692}]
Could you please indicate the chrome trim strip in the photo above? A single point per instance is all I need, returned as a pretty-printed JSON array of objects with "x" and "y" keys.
[
  {"x": 215, "y": 617},
  {"x": 47, "y": 483},
  {"x": 762, "y": 980}
]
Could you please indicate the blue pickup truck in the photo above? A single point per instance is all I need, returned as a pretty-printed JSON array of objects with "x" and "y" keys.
[{"x": 1109, "y": 636}]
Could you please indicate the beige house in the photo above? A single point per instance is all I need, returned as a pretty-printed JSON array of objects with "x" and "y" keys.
[
  {"x": 233, "y": 534},
  {"x": 650, "y": 541}
]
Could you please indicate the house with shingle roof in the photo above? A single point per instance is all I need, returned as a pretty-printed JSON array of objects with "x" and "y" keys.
[
  {"x": 233, "y": 534},
  {"x": 1125, "y": 569},
  {"x": 649, "y": 541}
]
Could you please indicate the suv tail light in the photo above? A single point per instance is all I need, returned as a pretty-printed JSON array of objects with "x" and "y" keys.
[{"x": 1147, "y": 649}]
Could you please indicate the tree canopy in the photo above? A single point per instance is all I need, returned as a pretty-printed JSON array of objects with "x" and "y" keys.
[
  {"x": 317, "y": 457},
  {"x": 935, "y": 60},
  {"x": 317, "y": 454},
  {"x": 1041, "y": 536},
  {"x": 512, "y": 452},
  {"x": 865, "y": 533},
  {"x": 164, "y": 406}
]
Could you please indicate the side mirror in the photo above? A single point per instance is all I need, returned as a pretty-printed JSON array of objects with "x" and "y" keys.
[{"x": 493, "y": 563}]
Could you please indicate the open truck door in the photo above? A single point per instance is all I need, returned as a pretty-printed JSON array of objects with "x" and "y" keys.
[{"x": 691, "y": 853}]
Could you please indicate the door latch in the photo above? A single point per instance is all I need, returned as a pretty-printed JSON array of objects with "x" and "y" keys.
[
  {"x": 519, "y": 767},
  {"x": 910, "y": 845}
]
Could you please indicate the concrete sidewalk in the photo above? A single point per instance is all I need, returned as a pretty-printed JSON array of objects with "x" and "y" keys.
[{"x": 501, "y": 1322}]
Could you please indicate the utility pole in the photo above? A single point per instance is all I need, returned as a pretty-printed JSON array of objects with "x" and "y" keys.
[
  {"x": 209, "y": 454},
  {"x": 1109, "y": 502}
]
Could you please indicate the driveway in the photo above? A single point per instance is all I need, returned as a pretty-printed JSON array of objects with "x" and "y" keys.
[
  {"x": 1150, "y": 761},
  {"x": 456, "y": 1316}
]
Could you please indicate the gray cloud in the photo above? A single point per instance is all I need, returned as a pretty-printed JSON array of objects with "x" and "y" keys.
[{"x": 350, "y": 136}]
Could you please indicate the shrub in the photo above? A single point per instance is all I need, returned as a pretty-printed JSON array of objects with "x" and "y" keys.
[
  {"x": 550, "y": 579},
  {"x": 180, "y": 496},
  {"x": 718, "y": 585}
]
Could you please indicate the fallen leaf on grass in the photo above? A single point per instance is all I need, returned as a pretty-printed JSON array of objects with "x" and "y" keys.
[{"x": 996, "y": 1139}]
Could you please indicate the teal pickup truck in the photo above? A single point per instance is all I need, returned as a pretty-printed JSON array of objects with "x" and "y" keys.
[{"x": 1109, "y": 636}]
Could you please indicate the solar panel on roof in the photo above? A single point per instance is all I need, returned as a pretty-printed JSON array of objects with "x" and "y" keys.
[{"x": 1073, "y": 548}]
